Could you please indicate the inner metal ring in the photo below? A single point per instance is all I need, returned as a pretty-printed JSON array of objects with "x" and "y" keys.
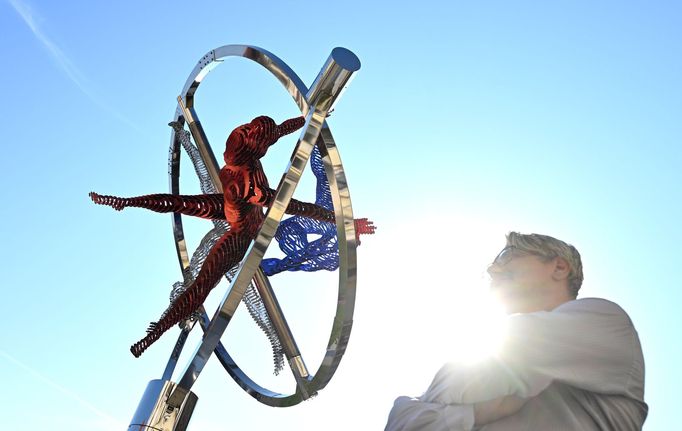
[{"x": 342, "y": 324}]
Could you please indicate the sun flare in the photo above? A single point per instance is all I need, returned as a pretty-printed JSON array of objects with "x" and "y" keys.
[
  {"x": 482, "y": 323},
  {"x": 470, "y": 323}
]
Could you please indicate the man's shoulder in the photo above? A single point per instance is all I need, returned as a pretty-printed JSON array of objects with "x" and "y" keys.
[
  {"x": 594, "y": 306},
  {"x": 591, "y": 304}
]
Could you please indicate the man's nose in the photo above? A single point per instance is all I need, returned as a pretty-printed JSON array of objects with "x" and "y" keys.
[
  {"x": 496, "y": 272},
  {"x": 493, "y": 270}
]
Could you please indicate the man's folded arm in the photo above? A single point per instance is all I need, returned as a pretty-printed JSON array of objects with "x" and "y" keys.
[
  {"x": 586, "y": 344},
  {"x": 413, "y": 414}
]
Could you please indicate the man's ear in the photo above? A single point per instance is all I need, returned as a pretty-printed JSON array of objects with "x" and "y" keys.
[{"x": 561, "y": 269}]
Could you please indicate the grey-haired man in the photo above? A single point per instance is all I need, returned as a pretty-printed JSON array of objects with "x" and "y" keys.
[{"x": 566, "y": 364}]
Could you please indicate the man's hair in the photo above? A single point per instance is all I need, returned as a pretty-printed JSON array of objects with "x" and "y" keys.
[{"x": 549, "y": 248}]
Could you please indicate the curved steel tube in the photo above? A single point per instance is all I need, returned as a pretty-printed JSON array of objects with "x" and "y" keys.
[{"x": 316, "y": 130}]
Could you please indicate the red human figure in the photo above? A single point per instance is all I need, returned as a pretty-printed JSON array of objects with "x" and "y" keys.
[{"x": 245, "y": 192}]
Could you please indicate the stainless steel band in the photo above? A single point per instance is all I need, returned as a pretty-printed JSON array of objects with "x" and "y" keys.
[{"x": 314, "y": 103}]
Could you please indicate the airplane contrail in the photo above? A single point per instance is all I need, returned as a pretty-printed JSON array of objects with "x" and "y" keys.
[{"x": 28, "y": 15}]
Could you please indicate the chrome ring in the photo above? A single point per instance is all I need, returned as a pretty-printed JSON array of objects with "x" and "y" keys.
[{"x": 310, "y": 384}]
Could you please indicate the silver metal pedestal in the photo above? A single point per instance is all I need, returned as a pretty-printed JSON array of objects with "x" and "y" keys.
[{"x": 153, "y": 413}]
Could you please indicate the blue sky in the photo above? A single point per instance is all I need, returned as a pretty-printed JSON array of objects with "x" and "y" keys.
[{"x": 467, "y": 120}]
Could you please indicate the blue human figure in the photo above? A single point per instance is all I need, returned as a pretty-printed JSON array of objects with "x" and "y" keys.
[{"x": 292, "y": 234}]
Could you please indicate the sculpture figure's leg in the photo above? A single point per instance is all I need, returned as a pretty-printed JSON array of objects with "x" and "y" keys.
[
  {"x": 204, "y": 206},
  {"x": 226, "y": 253}
]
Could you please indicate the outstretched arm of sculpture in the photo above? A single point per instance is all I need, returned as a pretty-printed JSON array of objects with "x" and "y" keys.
[
  {"x": 363, "y": 226},
  {"x": 267, "y": 197},
  {"x": 212, "y": 207},
  {"x": 204, "y": 206}
]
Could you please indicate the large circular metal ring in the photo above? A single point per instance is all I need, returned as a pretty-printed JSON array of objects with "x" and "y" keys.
[{"x": 343, "y": 319}]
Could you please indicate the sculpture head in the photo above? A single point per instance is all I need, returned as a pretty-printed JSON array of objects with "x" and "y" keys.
[{"x": 251, "y": 141}]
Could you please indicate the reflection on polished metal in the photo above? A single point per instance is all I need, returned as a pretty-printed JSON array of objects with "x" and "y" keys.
[
  {"x": 333, "y": 79},
  {"x": 336, "y": 74},
  {"x": 153, "y": 414},
  {"x": 164, "y": 399}
]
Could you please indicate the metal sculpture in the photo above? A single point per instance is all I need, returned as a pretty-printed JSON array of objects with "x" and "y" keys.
[
  {"x": 246, "y": 192},
  {"x": 233, "y": 198}
]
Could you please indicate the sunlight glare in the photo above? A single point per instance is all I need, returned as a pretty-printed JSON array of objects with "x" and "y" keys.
[{"x": 438, "y": 309}]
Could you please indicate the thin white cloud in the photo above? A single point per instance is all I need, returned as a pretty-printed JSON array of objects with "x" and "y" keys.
[
  {"x": 24, "y": 10},
  {"x": 104, "y": 422},
  {"x": 30, "y": 18}
]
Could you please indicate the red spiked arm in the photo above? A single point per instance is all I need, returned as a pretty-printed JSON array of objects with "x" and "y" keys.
[
  {"x": 296, "y": 207},
  {"x": 290, "y": 126}
]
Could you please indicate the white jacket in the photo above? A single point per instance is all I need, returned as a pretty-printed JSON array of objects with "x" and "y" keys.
[{"x": 581, "y": 363}]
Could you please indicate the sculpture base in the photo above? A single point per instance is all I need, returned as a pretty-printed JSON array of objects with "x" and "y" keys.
[{"x": 154, "y": 414}]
